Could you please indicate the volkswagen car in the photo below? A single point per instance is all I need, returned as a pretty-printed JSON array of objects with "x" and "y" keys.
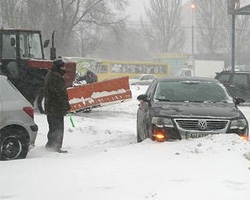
[
  {"x": 188, "y": 107},
  {"x": 18, "y": 130}
]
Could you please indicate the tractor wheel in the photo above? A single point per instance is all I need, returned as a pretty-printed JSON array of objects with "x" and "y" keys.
[{"x": 40, "y": 102}]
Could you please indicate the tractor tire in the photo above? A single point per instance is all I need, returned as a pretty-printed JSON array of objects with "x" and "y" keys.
[{"x": 40, "y": 102}]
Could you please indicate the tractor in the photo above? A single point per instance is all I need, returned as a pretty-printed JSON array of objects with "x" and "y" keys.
[{"x": 22, "y": 60}]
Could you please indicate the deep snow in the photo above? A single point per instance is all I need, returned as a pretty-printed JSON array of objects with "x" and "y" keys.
[{"x": 105, "y": 163}]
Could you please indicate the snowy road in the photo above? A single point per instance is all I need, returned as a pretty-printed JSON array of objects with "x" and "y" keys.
[{"x": 105, "y": 163}]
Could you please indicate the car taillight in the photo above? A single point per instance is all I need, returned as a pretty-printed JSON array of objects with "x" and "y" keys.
[{"x": 29, "y": 111}]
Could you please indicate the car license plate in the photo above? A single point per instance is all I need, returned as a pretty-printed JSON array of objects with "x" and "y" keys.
[{"x": 195, "y": 135}]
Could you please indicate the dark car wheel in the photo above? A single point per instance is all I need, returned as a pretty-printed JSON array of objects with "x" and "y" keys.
[
  {"x": 141, "y": 133},
  {"x": 13, "y": 144}
]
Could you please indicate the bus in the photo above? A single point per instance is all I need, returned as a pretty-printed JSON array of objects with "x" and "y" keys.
[{"x": 106, "y": 69}]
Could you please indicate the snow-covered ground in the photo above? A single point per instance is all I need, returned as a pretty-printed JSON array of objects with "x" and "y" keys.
[{"x": 104, "y": 162}]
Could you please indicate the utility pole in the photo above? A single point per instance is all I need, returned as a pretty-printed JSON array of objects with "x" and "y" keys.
[
  {"x": 233, "y": 43},
  {"x": 193, "y": 6}
]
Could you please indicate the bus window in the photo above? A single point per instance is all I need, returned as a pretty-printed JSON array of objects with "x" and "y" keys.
[
  {"x": 131, "y": 68},
  {"x": 116, "y": 68},
  {"x": 156, "y": 70},
  {"x": 124, "y": 68},
  {"x": 149, "y": 69},
  {"x": 138, "y": 69},
  {"x": 152, "y": 69},
  {"x": 97, "y": 68},
  {"x": 146, "y": 69},
  {"x": 103, "y": 68}
]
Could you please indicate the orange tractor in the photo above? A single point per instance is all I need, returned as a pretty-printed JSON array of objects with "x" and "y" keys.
[{"x": 22, "y": 60}]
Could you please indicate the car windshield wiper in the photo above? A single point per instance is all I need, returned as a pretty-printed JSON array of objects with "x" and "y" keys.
[
  {"x": 161, "y": 99},
  {"x": 221, "y": 101},
  {"x": 195, "y": 101},
  {"x": 208, "y": 101},
  {"x": 215, "y": 101}
]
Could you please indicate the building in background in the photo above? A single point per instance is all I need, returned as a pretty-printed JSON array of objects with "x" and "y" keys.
[{"x": 176, "y": 60}]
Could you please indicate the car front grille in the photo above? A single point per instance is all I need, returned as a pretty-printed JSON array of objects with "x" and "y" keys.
[{"x": 202, "y": 125}]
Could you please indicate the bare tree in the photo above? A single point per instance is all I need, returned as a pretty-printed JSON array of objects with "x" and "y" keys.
[
  {"x": 87, "y": 38},
  {"x": 78, "y": 14},
  {"x": 214, "y": 30},
  {"x": 66, "y": 17},
  {"x": 243, "y": 38},
  {"x": 95, "y": 20},
  {"x": 10, "y": 13},
  {"x": 213, "y": 27},
  {"x": 123, "y": 43},
  {"x": 163, "y": 26}
]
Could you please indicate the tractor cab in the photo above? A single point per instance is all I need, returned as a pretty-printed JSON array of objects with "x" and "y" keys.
[
  {"x": 17, "y": 48},
  {"x": 21, "y": 44}
]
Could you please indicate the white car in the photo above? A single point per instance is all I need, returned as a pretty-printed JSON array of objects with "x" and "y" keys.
[
  {"x": 144, "y": 79},
  {"x": 18, "y": 130}
]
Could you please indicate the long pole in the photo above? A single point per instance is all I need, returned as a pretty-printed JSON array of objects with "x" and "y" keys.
[
  {"x": 192, "y": 32},
  {"x": 233, "y": 44},
  {"x": 193, "y": 6}
]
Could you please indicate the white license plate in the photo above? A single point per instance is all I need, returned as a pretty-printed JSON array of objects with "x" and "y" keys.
[{"x": 195, "y": 135}]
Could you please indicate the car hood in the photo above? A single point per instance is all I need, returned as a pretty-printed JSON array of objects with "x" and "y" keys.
[{"x": 208, "y": 110}]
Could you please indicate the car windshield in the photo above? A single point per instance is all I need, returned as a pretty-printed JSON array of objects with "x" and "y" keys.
[{"x": 191, "y": 91}]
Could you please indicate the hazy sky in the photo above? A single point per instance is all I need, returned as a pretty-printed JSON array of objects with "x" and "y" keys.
[{"x": 136, "y": 9}]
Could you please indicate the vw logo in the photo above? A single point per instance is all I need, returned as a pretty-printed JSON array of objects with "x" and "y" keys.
[{"x": 202, "y": 124}]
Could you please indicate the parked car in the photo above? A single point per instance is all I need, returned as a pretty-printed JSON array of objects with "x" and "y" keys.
[
  {"x": 237, "y": 83},
  {"x": 144, "y": 79},
  {"x": 17, "y": 128},
  {"x": 188, "y": 107},
  {"x": 242, "y": 68}
]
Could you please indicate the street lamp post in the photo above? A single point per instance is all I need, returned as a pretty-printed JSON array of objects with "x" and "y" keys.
[
  {"x": 192, "y": 29},
  {"x": 233, "y": 43},
  {"x": 193, "y": 8}
]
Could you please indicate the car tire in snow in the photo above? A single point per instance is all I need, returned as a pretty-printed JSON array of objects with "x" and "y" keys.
[{"x": 14, "y": 143}]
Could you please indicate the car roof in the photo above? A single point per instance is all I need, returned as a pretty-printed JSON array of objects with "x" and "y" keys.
[
  {"x": 3, "y": 76},
  {"x": 148, "y": 75},
  {"x": 235, "y": 72},
  {"x": 187, "y": 78}
]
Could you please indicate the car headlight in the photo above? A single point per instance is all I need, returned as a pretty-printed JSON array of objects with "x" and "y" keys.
[
  {"x": 238, "y": 124},
  {"x": 162, "y": 122}
]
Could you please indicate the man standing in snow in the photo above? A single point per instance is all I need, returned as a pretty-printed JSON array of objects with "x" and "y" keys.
[{"x": 56, "y": 105}]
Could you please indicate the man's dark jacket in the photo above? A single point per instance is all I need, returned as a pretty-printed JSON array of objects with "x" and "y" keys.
[{"x": 56, "y": 97}]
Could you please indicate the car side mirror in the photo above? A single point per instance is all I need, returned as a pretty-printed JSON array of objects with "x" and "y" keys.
[
  {"x": 143, "y": 97},
  {"x": 46, "y": 43},
  {"x": 238, "y": 100}
]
